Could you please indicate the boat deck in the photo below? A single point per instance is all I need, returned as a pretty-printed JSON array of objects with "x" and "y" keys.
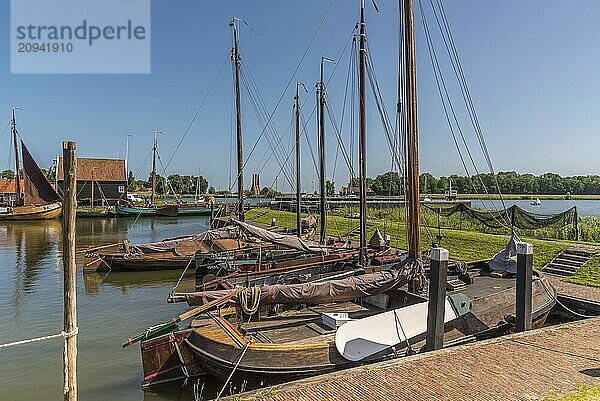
[
  {"x": 524, "y": 366},
  {"x": 493, "y": 299}
]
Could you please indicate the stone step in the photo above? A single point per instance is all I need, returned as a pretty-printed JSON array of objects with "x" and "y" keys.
[
  {"x": 569, "y": 262},
  {"x": 568, "y": 268},
  {"x": 578, "y": 253},
  {"x": 558, "y": 272},
  {"x": 574, "y": 257}
]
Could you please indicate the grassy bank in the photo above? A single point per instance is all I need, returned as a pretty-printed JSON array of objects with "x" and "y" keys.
[
  {"x": 463, "y": 245},
  {"x": 584, "y": 393},
  {"x": 588, "y": 274}
]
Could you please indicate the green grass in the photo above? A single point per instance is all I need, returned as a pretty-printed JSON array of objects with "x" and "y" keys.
[
  {"x": 584, "y": 393},
  {"x": 588, "y": 274},
  {"x": 463, "y": 245}
]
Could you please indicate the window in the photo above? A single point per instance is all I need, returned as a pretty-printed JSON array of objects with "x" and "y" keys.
[{"x": 121, "y": 189}]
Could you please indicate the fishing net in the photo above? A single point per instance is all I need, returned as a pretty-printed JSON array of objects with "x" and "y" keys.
[{"x": 513, "y": 215}]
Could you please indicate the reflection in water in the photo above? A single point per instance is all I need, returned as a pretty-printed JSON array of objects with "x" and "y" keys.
[
  {"x": 94, "y": 282},
  {"x": 34, "y": 243},
  {"x": 110, "y": 307}
]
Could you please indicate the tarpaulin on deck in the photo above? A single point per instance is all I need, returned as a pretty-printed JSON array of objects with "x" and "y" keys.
[
  {"x": 169, "y": 245},
  {"x": 288, "y": 241},
  {"x": 341, "y": 290}
]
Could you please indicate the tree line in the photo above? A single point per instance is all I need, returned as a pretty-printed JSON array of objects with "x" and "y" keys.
[
  {"x": 508, "y": 182},
  {"x": 180, "y": 184}
]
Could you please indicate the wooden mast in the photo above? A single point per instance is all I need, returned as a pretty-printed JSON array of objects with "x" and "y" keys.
[
  {"x": 412, "y": 196},
  {"x": 322, "y": 167},
  {"x": 16, "y": 146},
  {"x": 92, "y": 200},
  {"x": 298, "y": 189},
  {"x": 235, "y": 58},
  {"x": 153, "y": 169},
  {"x": 363, "y": 138}
]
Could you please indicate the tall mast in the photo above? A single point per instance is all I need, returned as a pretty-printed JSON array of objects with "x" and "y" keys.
[
  {"x": 363, "y": 138},
  {"x": 16, "y": 145},
  {"x": 323, "y": 189},
  {"x": 153, "y": 169},
  {"x": 412, "y": 196},
  {"x": 92, "y": 200},
  {"x": 235, "y": 58},
  {"x": 298, "y": 190}
]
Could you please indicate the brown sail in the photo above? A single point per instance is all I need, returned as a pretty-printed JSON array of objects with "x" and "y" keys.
[{"x": 37, "y": 190}]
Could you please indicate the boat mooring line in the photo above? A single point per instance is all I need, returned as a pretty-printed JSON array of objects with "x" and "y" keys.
[
  {"x": 233, "y": 371},
  {"x": 555, "y": 297},
  {"x": 44, "y": 338},
  {"x": 556, "y": 351}
]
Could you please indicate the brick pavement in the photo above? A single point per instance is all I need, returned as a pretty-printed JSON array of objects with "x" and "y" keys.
[{"x": 525, "y": 366}]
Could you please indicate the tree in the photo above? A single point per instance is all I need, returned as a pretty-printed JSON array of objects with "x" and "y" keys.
[
  {"x": 212, "y": 190},
  {"x": 130, "y": 181},
  {"x": 329, "y": 188},
  {"x": 202, "y": 184},
  {"x": 386, "y": 184},
  {"x": 161, "y": 185},
  {"x": 7, "y": 175}
]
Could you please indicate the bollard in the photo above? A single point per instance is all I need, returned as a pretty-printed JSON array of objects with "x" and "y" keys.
[
  {"x": 524, "y": 278},
  {"x": 273, "y": 222},
  {"x": 437, "y": 299}
]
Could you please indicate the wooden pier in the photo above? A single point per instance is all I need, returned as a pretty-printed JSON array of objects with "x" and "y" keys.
[{"x": 526, "y": 366}]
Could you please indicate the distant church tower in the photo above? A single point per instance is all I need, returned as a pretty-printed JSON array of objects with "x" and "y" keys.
[{"x": 256, "y": 184}]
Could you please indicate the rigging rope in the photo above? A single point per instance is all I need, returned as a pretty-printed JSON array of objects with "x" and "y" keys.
[
  {"x": 189, "y": 126},
  {"x": 445, "y": 98},
  {"x": 288, "y": 84}
]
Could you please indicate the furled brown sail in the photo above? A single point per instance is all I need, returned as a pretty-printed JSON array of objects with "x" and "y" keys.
[{"x": 37, "y": 190}]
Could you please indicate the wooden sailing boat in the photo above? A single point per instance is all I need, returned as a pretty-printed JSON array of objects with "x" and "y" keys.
[
  {"x": 167, "y": 210},
  {"x": 40, "y": 200},
  {"x": 303, "y": 342}
]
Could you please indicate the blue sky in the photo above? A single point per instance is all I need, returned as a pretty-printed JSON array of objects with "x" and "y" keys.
[{"x": 532, "y": 68}]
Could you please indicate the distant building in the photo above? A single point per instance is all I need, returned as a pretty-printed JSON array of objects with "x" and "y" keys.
[
  {"x": 354, "y": 190},
  {"x": 109, "y": 177},
  {"x": 8, "y": 189},
  {"x": 266, "y": 191}
]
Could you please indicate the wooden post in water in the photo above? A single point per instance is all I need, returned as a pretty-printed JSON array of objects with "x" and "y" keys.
[
  {"x": 437, "y": 299},
  {"x": 69, "y": 271},
  {"x": 524, "y": 278}
]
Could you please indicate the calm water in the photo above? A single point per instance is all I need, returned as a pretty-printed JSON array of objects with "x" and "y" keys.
[
  {"x": 110, "y": 309},
  {"x": 584, "y": 207}
]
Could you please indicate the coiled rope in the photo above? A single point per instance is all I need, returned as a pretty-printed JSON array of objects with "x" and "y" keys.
[{"x": 250, "y": 300}]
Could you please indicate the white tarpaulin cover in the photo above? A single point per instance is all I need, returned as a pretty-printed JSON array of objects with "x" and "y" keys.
[{"x": 506, "y": 259}]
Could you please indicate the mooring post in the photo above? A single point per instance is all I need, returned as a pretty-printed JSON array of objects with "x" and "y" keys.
[
  {"x": 524, "y": 278},
  {"x": 437, "y": 299},
  {"x": 69, "y": 271}
]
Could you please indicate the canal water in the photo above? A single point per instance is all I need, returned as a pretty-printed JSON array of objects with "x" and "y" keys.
[
  {"x": 586, "y": 207},
  {"x": 111, "y": 308}
]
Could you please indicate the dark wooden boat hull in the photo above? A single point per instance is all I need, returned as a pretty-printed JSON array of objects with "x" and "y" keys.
[
  {"x": 217, "y": 345},
  {"x": 165, "y": 360}
]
